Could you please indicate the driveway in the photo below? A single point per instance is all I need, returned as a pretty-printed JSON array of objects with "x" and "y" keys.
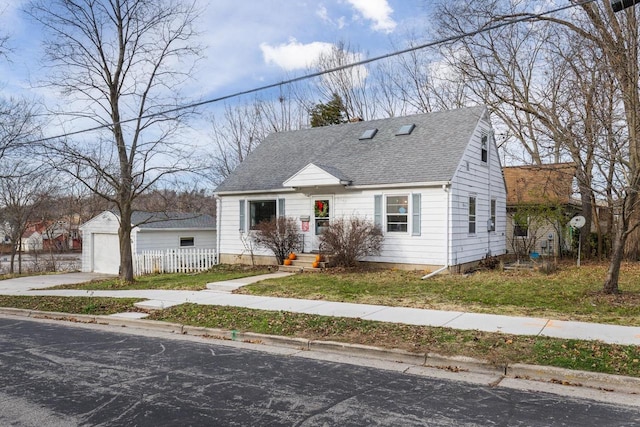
[{"x": 47, "y": 281}]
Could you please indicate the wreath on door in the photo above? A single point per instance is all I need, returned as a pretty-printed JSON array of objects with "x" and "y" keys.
[{"x": 321, "y": 208}]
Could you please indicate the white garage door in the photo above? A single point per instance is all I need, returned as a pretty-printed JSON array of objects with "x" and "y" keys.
[{"x": 106, "y": 253}]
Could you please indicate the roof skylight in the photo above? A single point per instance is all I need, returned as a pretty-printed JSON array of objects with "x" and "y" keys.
[
  {"x": 368, "y": 134},
  {"x": 406, "y": 129}
]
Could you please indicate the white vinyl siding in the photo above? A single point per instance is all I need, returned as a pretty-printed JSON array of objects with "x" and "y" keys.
[
  {"x": 159, "y": 239},
  {"x": 485, "y": 182},
  {"x": 428, "y": 248}
]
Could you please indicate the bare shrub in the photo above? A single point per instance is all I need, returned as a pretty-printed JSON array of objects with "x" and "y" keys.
[
  {"x": 350, "y": 239},
  {"x": 279, "y": 235}
]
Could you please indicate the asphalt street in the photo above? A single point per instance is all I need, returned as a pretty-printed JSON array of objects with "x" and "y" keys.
[{"x": 55, "y": 374}]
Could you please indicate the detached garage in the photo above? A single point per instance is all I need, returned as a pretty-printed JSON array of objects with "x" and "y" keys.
[{"x": 151, "y": 231}]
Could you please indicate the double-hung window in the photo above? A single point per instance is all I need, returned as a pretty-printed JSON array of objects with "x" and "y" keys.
[
  {"x": 260, "y": 211},
  {"x": 492, "y": 224},
  {"x": 472, "y": 215},
  {"x": 484, "y": 148},
  {"x": 397, "y": 213}
]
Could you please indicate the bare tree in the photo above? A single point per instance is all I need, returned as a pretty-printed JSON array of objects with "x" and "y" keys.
[
  {"x": 4, "y": 42},
  {"x": 418, "y": 81},
  {"x": 288, "y": 111},
  {"x": 351, "y": 83},
  {"x": 191, "y": 199},
  {"x": 18, "y": 125},
  {"x": 234, "y": 136},
  {"x": 23, "y": 189},
  {"x": 545, "y": 91},
  {"x": 120, "y": 63}
]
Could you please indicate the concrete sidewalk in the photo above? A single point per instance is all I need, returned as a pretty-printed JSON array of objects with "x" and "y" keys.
[{"x": 220, "y": 293}]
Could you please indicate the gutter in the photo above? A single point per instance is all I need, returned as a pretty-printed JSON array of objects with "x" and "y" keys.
[{"x": 345, "y": 184}]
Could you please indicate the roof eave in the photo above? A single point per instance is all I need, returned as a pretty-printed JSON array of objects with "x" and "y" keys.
[
  {"x": 245, "y": 192},
  {"x": 401, "y": 185}
]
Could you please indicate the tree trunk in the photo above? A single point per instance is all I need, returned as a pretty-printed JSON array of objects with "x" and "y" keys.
[
  {"x": 610, "y": 285},
  {"x": 585, "y": 198},
  {"x": 12, "y": 260},
  {"x": 126, "y": 257}
]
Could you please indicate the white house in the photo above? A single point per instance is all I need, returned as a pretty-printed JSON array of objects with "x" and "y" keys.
[
  {"x": 31, "y": 241},
  {"x": 151, "y": 231},
  {"x": 432, "y": 182}
]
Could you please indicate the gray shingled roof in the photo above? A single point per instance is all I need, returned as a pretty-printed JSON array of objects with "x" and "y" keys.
[
  {"x": 430, "y": 153},
  {"x": 165, "y": 220}
]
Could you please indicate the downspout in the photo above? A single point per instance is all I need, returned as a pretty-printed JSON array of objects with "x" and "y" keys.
[
  {"x": 446, "y": 246},
  {"x": 218, "y": 225},
  {"x": 490, "y": 143}
]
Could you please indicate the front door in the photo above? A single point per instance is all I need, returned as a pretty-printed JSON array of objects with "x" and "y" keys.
[{"x": 322, "y": 212}]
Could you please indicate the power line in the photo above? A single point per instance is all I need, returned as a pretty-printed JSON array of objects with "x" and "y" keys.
[{"x": 525, "y": 17}]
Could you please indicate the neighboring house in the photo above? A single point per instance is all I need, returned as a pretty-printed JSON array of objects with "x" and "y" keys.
[
  {"x": 62, "y": 235},
  {"x": 151, "y": 231},
  {"x": 539, "y": 207},
  {"x": 31, "y": 241},
  {"x": 432, "y": 182}
]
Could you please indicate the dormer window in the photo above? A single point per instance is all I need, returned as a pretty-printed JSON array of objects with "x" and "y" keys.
[{"x": 483, "y": 148}]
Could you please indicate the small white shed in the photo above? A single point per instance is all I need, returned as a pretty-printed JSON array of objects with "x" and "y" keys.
[{"x": 151, "y": 231}]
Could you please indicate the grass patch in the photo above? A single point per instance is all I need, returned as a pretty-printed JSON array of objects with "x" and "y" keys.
[
  {"x": 174, "y": 281},
  {"x": 571, "y": 293},
  {"x": 75, "y": 305},
  {"x": 493, "y": 347}
]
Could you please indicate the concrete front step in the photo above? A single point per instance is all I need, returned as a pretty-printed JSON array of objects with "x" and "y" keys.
[
  {"x": 298, "y": 269},
  {"x": 303, "y": 262}
]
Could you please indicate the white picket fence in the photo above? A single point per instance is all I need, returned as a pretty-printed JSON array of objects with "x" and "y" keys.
[{"x": 174, "y": 261}]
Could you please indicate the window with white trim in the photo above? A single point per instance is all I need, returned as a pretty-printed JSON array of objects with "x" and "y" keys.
[
  {"x": 483, "y": 148},
  {"x": 260, "y": 211},
  {"x": 397, "y": 213},
  {"x": 493, "y": 215},
  {"x": 472, "y": 215}
]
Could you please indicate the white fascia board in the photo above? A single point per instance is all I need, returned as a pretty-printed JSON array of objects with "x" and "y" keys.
[
  {"x": 256, "y": 192},
  {"x": 401, "y": 185}
]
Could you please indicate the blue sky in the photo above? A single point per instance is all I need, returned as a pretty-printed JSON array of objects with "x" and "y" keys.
[{"x": 249, "y": 43}]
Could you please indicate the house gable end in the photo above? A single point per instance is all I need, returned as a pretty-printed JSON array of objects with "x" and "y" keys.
[{"x": 313, "y": 175}]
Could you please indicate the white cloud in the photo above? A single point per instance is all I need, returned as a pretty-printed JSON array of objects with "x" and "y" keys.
[
  {"x": 323, "y": 14},
  {"x": 294, "y": 55},
  {"x": 377, "y": 11}
]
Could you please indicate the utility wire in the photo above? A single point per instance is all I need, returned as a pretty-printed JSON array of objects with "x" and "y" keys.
[{"x": 481, "y": 30}]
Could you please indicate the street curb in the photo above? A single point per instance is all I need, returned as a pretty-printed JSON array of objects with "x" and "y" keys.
[
  {"x": 392, "y": 355},
  {"x": 567, "y": 377},
  {"x": 596, "y": 380},
  {"x": 463, "y": 363}
]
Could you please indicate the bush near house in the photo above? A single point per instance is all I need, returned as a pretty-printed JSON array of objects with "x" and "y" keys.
[
  {"x": 350, "y": 239},
  {"x": 280, "y": 235}
]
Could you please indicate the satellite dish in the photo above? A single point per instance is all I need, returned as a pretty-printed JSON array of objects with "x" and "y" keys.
[{"x": 577, "y": 221}]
